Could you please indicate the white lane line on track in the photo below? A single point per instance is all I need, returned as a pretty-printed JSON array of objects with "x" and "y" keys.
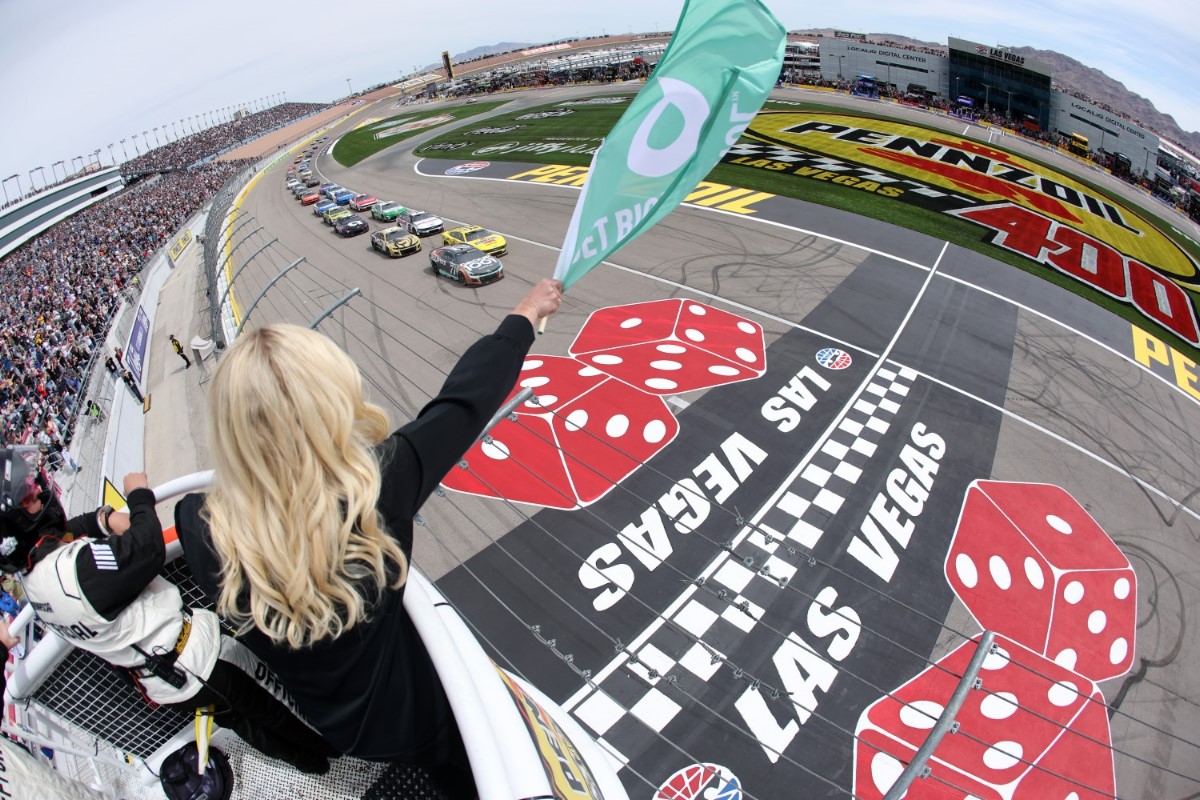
[
  {"x": 700, "y": 292},
  {"x": 827, "y": 237},
  {"x": 752, "y": 523},
  {"x": 1123, "y": 356},
  {"x": 1063, "y": 440},
  {"x": 961, "y": 281}
]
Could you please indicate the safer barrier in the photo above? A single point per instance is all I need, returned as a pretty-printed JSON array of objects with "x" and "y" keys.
[{"x": 519, "y": 742}]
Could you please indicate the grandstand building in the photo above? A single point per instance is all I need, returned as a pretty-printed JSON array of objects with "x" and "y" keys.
[
  {"x": 845, "y": 58},
  {"x": 1106, "y": 132},
  {"x": 997, "y": 80},
  {"x": 22, "y": 221},
  {"x": 990, "y": 82}
]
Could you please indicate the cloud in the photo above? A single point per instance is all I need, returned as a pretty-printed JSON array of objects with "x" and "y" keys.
[{"x": 78, "y": 75}]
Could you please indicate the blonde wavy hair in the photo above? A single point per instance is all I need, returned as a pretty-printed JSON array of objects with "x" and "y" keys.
[{"x": 303, "y": 551}]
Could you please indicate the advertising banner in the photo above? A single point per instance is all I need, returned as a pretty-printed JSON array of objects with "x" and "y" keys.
[{"x": 135, "y": 352}]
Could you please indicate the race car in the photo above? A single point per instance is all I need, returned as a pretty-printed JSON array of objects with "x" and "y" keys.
[
  {"x": 299, "y": 190},
  {"x": 313, "y": 183},
  {"x": 328, "y": 185},
  {"x": 387, "y": 211},
  {"x": 395, "y": 242},
  {"x": 343, "y": 197},
  {"x": 335, "y": 213},
  {"x": 330, "y": 189},
  {"x": 322, "y": 206},
  {"x": 422, "y": 223},
  {"x": 361, "y": 202},
  {"x": 351, "y": 225},
  {"x": 466, "y": 265},
  {"x": 491, "y": 243},
  {"x": 309, "y": 199}
]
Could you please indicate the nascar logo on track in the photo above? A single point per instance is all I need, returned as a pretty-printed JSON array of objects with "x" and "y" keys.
[
  {"x": 701, "y": 782},
  {"x": 596, "y": 101},
  {"x": 415, "y": 125},
  {"x": 471, "y": 166},
  {"x": 502, "y": 129},
  {"x": 833, "y": 358},
  {"x": 559, "y": 112}
]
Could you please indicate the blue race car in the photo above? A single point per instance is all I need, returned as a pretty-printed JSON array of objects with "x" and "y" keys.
[
  {"x": 343, "y": 196},
  {"x": 320, "y": 208}
]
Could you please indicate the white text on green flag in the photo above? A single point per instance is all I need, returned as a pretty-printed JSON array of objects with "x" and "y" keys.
[{"x": 717, "y": 71}]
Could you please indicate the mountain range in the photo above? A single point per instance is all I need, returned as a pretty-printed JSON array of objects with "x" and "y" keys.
[
  {"x": 1066, "y": 71},
  {"x": 1070, "y": 73}
]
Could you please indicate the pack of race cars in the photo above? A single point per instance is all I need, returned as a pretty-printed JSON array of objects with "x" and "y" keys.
[{"x": 468, "y": 254}]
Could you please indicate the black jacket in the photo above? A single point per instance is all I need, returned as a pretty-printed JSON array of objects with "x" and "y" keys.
[{"x": 373, "y": 693}]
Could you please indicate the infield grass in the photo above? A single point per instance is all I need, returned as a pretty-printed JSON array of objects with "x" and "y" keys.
[
  {"x": 571, "y": 139},
  {"x": 361, "y": 142}
]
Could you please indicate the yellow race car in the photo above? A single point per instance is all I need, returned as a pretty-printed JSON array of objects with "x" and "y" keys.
[
  {"x": 335, "y": 213},
  {"x": 480, "y": 238},
  {"x": 395, "y": 242}
]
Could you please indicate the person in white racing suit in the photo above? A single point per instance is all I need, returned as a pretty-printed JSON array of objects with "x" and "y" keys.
[{"x": 103, "y": 594}]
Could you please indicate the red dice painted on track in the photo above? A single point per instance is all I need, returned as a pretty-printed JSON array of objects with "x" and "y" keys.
[
  {"x": 585, "y": 433},
  {"x": 671, "y": 346},
  {"x": 1034, "y": 730},
  {"x": 1032, "y": 565}
]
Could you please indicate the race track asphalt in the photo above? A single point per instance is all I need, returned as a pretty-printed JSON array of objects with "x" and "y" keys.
[{"x": 1020, "y": 381}]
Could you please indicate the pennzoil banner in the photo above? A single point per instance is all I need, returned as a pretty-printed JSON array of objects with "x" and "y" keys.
[{"x": 1024, "y": 207}]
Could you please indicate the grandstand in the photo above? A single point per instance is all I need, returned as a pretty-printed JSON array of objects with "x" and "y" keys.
[{"x": 652, "y": 698}]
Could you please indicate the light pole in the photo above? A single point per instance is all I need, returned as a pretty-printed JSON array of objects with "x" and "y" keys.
[
  {"x": 75, "y": 169},
  {"x": 157, "y": 143},
  {"x": 123, "y": 150},
  {"x": 32, "y": 183},
  {"x": 136, "y": 149},
  {"x": 348, "y": 87},
  {"x": 96, "y": 157},
  {"x": 175, "y": 131},
  {"x": 1008, "y": 111},
  {"x": 840, "y": 67},
  {"x": 146, "y": 139},
  {"x": 4, "y": 184},
  {"x": 986, "y": 92},
  {"x": 60, "y": 163}
]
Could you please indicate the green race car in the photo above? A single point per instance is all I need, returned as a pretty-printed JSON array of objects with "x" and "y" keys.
[{"x": 387, "y": 211}]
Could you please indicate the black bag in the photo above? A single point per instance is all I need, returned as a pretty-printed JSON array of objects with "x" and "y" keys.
[{"x": 181, "y": 778}]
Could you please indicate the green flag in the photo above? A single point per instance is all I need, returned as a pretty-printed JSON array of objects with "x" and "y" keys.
[{"x": 721, "y": 63}]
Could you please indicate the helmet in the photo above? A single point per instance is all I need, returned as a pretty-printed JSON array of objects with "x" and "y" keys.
[
  {"x": 181, "y": 779},
  {"x": 20, "y": 479}
]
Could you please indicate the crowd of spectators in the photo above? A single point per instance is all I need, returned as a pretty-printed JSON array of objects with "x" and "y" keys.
[
  {"x": 929, "y": 51},
  {"x": 60, "y": 291},
  {"x": 189, "y": 150}
]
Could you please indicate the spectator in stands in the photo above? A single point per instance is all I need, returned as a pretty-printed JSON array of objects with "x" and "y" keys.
[
  {"x": 58, "y": 293},
  {"x": 305, "y": 539},
  {"x": 194, "y": 149},
  {"x": 103, "y": 593}
]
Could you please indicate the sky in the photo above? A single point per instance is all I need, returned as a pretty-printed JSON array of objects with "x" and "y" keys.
[{"x": 76, "y": 76}]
